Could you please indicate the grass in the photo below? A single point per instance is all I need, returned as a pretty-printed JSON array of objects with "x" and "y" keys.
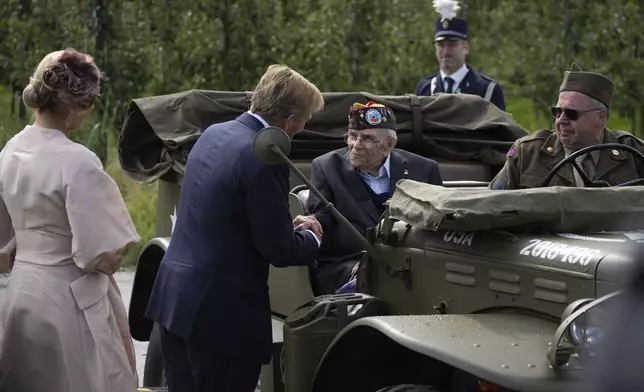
[{"x": 141, "y": 200}]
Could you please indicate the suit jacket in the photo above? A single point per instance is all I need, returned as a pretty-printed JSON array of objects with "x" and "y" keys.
[
  {"x": 233, "y": 220},
  {"x": 341, "y": 184},
  {"x": 532, "y": 157},
  {"x": 474, "y": 83}
]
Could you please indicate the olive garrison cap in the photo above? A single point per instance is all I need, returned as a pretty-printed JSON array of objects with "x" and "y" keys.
[{"x": 591, "y": 84}]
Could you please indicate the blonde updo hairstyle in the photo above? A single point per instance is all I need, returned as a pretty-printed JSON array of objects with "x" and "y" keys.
[{"x": 64, "y": 81}]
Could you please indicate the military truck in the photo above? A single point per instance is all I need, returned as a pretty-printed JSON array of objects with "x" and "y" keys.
[{"x": 472, "y": 301}]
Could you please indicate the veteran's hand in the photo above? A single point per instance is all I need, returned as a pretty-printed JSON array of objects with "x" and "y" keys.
[{"x": 308, "y": 222}]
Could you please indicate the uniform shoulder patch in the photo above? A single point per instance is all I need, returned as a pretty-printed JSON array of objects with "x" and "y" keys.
[{"x": 512, "y": 152}]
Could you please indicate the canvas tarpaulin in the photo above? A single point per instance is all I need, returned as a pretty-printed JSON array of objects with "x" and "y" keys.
[
  {"x": 158, "y": 131},
  {"x": 552, "y": 209}
]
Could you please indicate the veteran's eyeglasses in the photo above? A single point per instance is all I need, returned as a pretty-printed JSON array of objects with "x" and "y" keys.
[
  {"x": 571, "y": 114},
  {"x": 366, "y": 140}
]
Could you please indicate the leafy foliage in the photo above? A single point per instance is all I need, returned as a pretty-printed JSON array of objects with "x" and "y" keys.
[{"x": 385, "y": 47}]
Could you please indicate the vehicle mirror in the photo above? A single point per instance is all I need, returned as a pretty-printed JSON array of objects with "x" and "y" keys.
[{"x": 268, "y": 141}]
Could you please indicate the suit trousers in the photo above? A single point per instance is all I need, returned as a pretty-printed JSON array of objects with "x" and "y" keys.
[
  {"x": 191, "y": 366},
  {"x": 327, "y": 278}
]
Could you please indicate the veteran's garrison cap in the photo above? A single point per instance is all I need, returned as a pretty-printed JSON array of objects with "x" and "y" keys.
[{"x": 591, "y": 84}]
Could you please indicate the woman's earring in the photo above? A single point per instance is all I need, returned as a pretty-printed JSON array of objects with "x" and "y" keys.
[{"x": 68, "y": 123}]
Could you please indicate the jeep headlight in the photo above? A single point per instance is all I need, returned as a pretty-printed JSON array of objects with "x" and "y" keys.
[
  {"x": 588, "y": 329},
  {"x": 582, "y": 328}
]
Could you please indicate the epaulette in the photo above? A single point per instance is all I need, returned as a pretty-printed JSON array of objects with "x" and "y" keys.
[
  {"x": 540, "y": 135},
  {"x": 621, "y": 135},
  {"x": 489, "y": 79},
  {"x": 430, "y": 77}
]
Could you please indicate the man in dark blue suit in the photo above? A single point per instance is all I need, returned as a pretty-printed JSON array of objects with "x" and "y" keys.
[
  {"x": 210, "y": 297},
  {"x": 358, "y": 179},
  {"x": 455, "y": 76}
]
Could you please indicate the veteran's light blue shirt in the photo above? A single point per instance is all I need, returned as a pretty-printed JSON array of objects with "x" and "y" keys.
[{"x": 380, "y": 183}]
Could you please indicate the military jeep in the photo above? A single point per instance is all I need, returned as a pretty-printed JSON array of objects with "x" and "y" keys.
[{"x": 478, "y": 299}]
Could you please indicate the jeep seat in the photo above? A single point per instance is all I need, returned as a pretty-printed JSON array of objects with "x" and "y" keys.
[
  {"x": 303, "y": 196},
  {"x": 305, "y": 167},
  {"x": 290, "y": 287},
  {"x": 465, "y": 171}
]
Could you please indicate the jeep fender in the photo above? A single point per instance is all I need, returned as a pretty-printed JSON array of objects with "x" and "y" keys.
[
  {"x": 506, "y": 349},
  {"x": 147, "y": 267}
]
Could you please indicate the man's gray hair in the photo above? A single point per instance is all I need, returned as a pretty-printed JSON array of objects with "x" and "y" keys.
[
  {"x": 596, "y": 104},
  {"x": 391, "y": 132}
]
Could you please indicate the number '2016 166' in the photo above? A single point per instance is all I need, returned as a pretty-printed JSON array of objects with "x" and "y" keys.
[{"x": 552, "y": 250}]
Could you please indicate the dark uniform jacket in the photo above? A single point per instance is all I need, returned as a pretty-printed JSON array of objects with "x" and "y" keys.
[
  {"x": 341, "y": 184},
  {"x": 532, "y": 157},
  {"x": 473, "y": 83}
]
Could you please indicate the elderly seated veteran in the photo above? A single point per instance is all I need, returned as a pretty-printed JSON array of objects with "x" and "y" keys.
[
  {"x": 358, "y": 179},
  {"x": 580, "y": 121}
]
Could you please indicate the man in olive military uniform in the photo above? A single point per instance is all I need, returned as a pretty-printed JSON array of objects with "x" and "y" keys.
[
  {"x": 580, "y": 121},
  {"x": 455, "y": 76}
]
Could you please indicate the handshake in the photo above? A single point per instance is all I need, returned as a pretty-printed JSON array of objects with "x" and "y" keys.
[{"x": 308, "y": 222}]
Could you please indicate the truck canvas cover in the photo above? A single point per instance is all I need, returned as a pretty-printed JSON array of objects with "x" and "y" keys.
[
  {"x": 159, "y": 131},
  {"x": 550, "y": 209}
]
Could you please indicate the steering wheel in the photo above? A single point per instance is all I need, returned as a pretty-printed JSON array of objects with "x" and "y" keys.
[{"x": 587, "y": 181}]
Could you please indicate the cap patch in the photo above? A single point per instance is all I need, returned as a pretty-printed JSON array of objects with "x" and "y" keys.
[{"x": 373, "y": 117}]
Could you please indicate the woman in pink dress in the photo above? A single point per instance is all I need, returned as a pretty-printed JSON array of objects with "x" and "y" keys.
[{"x": 64, "y": 227}]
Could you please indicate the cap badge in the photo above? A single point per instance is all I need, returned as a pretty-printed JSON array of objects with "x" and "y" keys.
[
  {"x": 373, "y": 117},
  {"x": 445, "y": 24}
]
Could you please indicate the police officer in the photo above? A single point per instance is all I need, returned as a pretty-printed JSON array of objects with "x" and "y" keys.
[
  {"x": 580, "y": 121},
  {"x": 455, "y": 76}
]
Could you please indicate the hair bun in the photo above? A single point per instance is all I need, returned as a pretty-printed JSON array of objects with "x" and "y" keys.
[
  {"x": 65, "y": 77},
  {"x": 34, "y": 97}
]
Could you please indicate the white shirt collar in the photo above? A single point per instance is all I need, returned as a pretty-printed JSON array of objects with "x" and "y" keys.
[
  {"x": 384, "y": 169},
  {"x": 458, "y": 76},
  {"x": 257, "y": 116}
]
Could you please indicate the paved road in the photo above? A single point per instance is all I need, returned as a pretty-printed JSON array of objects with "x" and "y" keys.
[{"x": 125, "y": 280}]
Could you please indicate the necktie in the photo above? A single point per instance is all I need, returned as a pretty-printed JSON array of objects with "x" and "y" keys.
[
  {"x": 588, "y": 166},
  {"x": 450, "y": 84}
]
